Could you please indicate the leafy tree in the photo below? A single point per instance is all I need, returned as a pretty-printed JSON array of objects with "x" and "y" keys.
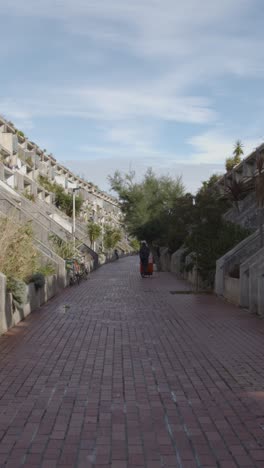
[
  {"x": 134, "y": 243},
  {"x": 94, "y": 232},
  {"x": 145, "y": 204},
  {"x": 210, "y": 236},
  {"x": 210, "y": 241}
]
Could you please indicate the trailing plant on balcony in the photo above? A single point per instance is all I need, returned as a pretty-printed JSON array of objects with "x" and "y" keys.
[
  {"x": 29, "y": 162},
  {"x": 46, "y": 183},
  {"x": 63, "y": 200},
  {"x": 29, "y": 196}
]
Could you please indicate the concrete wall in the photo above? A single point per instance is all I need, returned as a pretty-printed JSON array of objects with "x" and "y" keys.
[
  {"x": 165, "y": 259},
  {"x": 237, "y": 255},
  {"x": 7, "y": 141},
  {"x": 11, "y": 315},
  {"x": 176, "y": 263},
  {"x": 245, "y": 271},
  {"x": 62, "y": 222},
  {"x": 2, "y": 303},
  {"x": 256, "y": 272},
  {"x": 232, "y": 289}
]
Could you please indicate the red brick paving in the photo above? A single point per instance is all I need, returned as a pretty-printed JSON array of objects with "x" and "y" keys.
[{"x": 129, "y": 375}]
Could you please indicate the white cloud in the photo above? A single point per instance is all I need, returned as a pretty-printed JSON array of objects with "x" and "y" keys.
[
  {"x": 110, "y": 103},
  {"x": 213, "y": 147},
  {"x": 176, "y": 46},
  {"x": 154, "y": 28},
  {"x": 101, "y": 168}
]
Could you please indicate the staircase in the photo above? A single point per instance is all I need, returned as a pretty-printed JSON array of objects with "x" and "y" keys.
[
  {"x": 246, "y": 290},
  {"x": 42, "y": 223}
]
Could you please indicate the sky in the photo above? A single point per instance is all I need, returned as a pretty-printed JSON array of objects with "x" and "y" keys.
[{"x": 132, "y": 84}]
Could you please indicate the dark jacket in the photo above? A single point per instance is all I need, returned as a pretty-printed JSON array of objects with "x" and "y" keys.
[{"x": 144, "y": 253}]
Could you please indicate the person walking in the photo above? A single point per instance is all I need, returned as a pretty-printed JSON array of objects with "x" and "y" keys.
[{"x": 144, "y": 258}]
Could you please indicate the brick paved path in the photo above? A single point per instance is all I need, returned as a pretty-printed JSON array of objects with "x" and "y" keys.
[{"x": 128, "y": 375}]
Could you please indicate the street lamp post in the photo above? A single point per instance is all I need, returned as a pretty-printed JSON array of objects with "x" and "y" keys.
[{"x": 73, "y": 214}]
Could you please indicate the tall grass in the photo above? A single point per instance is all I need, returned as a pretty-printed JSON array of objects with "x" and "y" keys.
[{"x": 19, "y": 257}]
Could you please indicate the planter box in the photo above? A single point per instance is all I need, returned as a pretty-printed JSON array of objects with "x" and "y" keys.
[{"x": 10, "y": 315}]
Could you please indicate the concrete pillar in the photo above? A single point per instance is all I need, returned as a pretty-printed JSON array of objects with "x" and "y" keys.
[
  {"x": 244, "y": 276},
  {"x": 176, "y": 261},
  {"x": 19, "y": 181},
  {"x": 2, "y": 171},
  {"x": 260, "y": 294},
  {"x": 220, "y": 277},
  {"x": 244, "y": 287},
  {"x": 3, "y": 326},
  {"x": 254, "y": 273}
]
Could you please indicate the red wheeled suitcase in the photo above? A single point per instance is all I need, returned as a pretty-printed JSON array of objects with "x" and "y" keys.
[{"x": 149, "y": 270}]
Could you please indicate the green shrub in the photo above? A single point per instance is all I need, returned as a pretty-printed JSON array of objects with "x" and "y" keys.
[
  {"x": 63, "y": 200},
  {"x": 211, "y": 241},
  {"x": 47, "y": 269},
  {"x": 38, "y": 279},
  {"x": 62, "y": 248},
  {"x": 19, "y": 291},
  {"x": 29, "y": 196},
  {"x": 29, "y": 162},
  {"x": 46, "y": 183}
]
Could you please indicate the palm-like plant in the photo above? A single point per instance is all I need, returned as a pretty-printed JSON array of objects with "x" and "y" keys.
[
  {"x": 238, "y": 151},
  {"x": 236, "y": 158},
  {"x": 235, "y": 190},
  {"x": 94, "y": 231},
  {"x": 111, "y": 237}
]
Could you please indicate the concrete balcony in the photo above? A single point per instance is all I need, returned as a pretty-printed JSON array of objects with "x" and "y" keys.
[{"x": 9, "y": 142}]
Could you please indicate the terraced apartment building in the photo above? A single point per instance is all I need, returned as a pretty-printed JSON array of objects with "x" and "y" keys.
[{"x": 24, "y": 167}]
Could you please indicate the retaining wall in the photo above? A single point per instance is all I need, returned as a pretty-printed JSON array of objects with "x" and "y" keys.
[{"x": 11, "y": 315}]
